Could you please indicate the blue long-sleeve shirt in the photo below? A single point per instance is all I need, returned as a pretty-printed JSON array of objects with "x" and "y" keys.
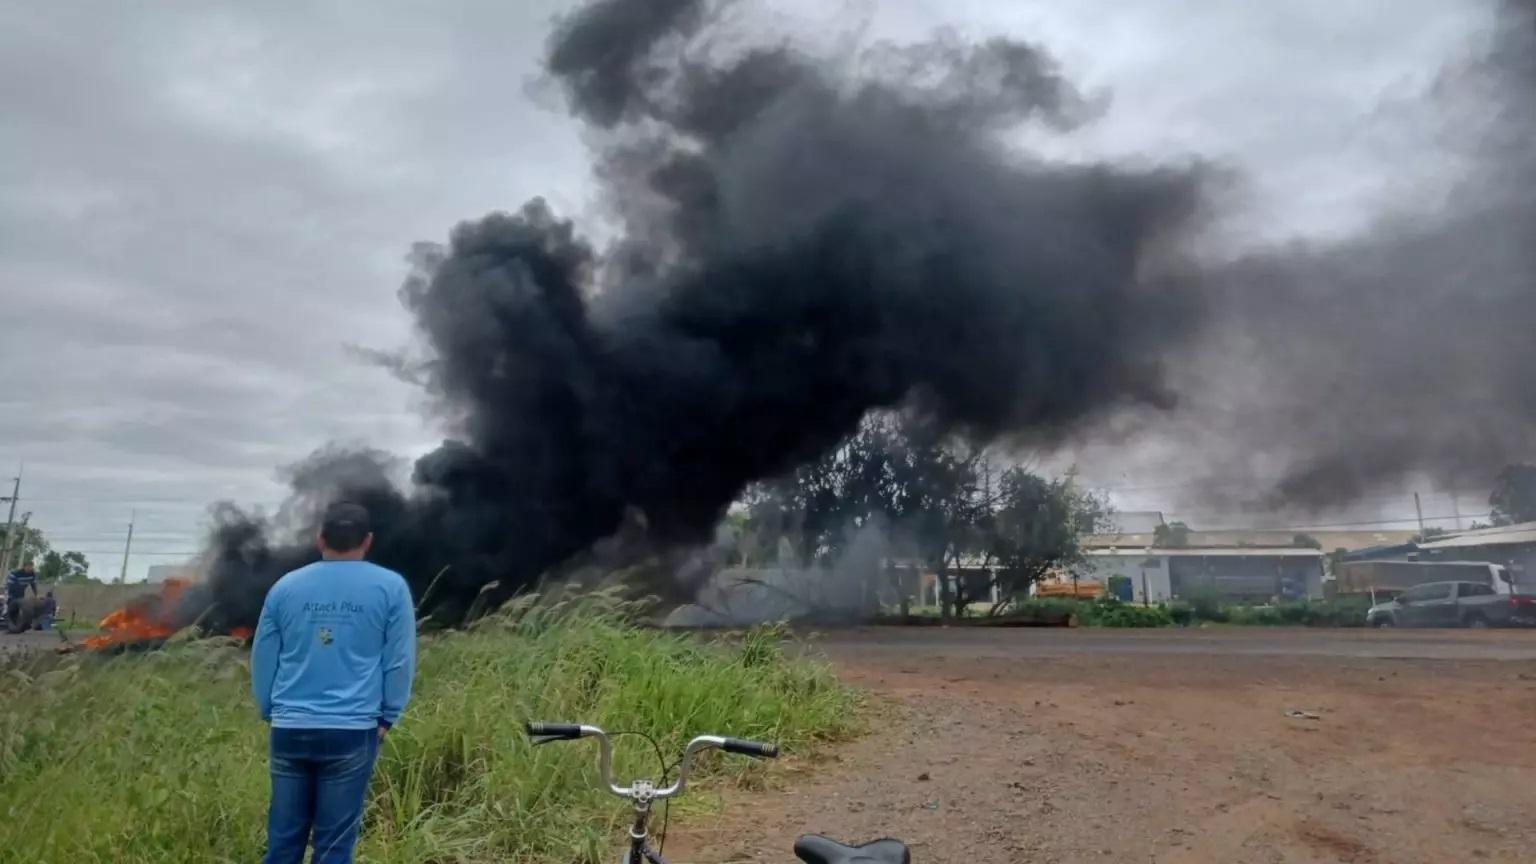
[{"x": 335, "y": 648}]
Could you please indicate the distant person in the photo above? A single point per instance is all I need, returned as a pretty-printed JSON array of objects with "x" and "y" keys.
[
  {"x": 331, "y": 669},
  {"x": 47, "y": 612},
  {"x": 17, "y": 582}
]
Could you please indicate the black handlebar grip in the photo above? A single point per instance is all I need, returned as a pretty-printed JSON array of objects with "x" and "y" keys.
[
  {"x": 750, "y": 748},
  {"x": 568, "y": 731}
]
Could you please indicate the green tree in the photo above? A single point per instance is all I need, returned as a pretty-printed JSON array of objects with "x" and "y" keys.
[
  {"x": 1306, "y": 541},
  {"x": 1336, "y": 560},
  {"x": 1173, "y": 534},
  {"x": 28, "y": 543},
  {"x": 23, "y": 543},
  {"x": 896, "y": 471},
  {"x": 937, "y": 497},
  {"x": 1514, "y": 495},
  {"x": 1037, "y": 527},
  {"x": 66, "y": 568}
]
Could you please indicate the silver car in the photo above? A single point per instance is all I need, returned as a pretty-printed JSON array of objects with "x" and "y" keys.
[{"x": 1454, "y": 604}]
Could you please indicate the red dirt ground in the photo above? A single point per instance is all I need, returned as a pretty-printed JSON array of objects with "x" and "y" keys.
[{"x": 980, "y": 755}]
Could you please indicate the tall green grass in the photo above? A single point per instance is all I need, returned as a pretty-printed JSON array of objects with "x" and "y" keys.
[{"x": 160, "y": 757}]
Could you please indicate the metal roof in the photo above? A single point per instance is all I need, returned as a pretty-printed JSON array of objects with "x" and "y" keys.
[
  {"x": 1208, "y": 551},
  {"x": 1504, "y": 535},
  {"x": 1224, "y": 538}
]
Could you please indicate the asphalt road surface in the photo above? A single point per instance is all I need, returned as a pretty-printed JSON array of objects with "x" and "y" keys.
[
  {"x": 1230, "y": 641},
  {"x": 32, "y": 642}
]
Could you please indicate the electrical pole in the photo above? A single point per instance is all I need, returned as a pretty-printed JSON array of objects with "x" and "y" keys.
[
  {"x": 1420, "y": 509},
  {"x": 10, "y": 520},
  {"x": 21, "y": 544},
  {"x": 122, "y": 576}
]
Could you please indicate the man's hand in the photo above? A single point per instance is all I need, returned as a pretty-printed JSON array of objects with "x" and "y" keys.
[{"x": 383, "y": 730}]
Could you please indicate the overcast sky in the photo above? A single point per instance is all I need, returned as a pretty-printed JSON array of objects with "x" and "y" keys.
[{"x": 200, "y": 207}]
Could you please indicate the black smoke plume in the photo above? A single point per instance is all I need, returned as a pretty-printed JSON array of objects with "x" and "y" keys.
[
  {"x": 796, "y": 248},
  {"x": 1346, "y": 367}
]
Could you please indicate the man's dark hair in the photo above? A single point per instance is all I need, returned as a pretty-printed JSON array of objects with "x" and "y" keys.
[{"x": 345, "y": 526}]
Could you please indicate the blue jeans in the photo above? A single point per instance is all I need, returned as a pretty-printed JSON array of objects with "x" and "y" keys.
[{"x": 319, "y": 782}]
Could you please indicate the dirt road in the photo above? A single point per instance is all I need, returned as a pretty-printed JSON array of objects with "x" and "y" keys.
[{"x": 1173, "y": 747}]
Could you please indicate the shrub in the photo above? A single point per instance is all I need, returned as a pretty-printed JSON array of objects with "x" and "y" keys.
[
  {"x": 1342, "y": 612},
  {"x": 1103, "y": 612},
  {"x": 1205, "y": 605},
  {"x": 1260, "y": 616},
  {"x": 1109, "y": 612},
  {"x": 1050, "y": 607}
]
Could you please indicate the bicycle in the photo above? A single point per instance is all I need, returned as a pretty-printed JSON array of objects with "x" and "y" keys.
[{"x": 809, "y": 848}]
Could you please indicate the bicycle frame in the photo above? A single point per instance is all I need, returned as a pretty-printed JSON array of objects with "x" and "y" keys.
[{"x": 643, "y": 793}]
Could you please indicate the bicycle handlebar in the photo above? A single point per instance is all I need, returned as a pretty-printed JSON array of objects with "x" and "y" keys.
[
  {"x": 559, "y": 731},
  {"x": 750, "y": 748},
  {"x": 572, "y": 731}
]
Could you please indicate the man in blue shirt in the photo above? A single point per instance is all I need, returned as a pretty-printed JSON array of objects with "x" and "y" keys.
[{"x": 331, "y": 669}]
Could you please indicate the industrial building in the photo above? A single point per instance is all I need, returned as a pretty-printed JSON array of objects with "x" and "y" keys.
[
  {"x": 1512, "y": 546},
  {"x": 1256, "y": 573}
]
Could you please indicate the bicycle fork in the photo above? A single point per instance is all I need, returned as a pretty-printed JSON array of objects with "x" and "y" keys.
[{"x": 640, "y": 851}]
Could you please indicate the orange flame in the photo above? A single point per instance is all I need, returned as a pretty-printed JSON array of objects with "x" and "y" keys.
[
  {"x": 241, "y": 633},
  {"x": 142, "y": 620}
]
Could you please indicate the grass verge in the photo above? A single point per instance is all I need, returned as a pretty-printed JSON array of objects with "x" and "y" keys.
[{"x": 159, "y": 757}]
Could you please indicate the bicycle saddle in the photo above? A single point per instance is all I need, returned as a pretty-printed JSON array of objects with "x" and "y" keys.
[{"x": 815, "y": 849}]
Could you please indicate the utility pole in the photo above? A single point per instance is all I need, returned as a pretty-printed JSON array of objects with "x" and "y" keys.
[
  {"x": 10, "y": 520},
  {"x": 1420, "y": 508},
  {"x": 21, "y": 544},
  {"x": 122, "y": 575}
]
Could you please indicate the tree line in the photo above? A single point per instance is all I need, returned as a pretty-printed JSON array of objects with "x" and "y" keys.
[{"x": 23, "y": 542}]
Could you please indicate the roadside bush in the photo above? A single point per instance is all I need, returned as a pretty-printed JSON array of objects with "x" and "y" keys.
[
  {"x": 1339, "y": 612},
  {"x": 1109, "y": 612},
  {"x": 1205, "y": 605},
  {"x": 1045, "y": 607},
  {"x": 160, "y": 757},
  {"x": 1181, "y": 613},
  {"x": 1102, "y": 612},
  {"x": 1343, "y": 612},
  {"x": 1253, "y": 616}
]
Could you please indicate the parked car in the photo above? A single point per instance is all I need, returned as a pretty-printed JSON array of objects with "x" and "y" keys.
[{"x": 1454, "y": 604}]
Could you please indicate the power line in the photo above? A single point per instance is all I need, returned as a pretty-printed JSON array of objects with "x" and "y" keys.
[
  {"x": 136, "y": 552},
  {"x": 116, "y": 535}
]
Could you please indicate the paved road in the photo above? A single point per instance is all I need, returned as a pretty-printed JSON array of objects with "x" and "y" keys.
[
  {"x": 1266, "y": 641},
  {"x": 31, "y": 642}
]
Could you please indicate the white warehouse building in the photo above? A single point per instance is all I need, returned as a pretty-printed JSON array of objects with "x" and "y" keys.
[{"x": 1261, "y": 573}]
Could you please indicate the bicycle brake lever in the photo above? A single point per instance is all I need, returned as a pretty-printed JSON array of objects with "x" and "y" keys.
[{"x": 546, "y": 740}]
